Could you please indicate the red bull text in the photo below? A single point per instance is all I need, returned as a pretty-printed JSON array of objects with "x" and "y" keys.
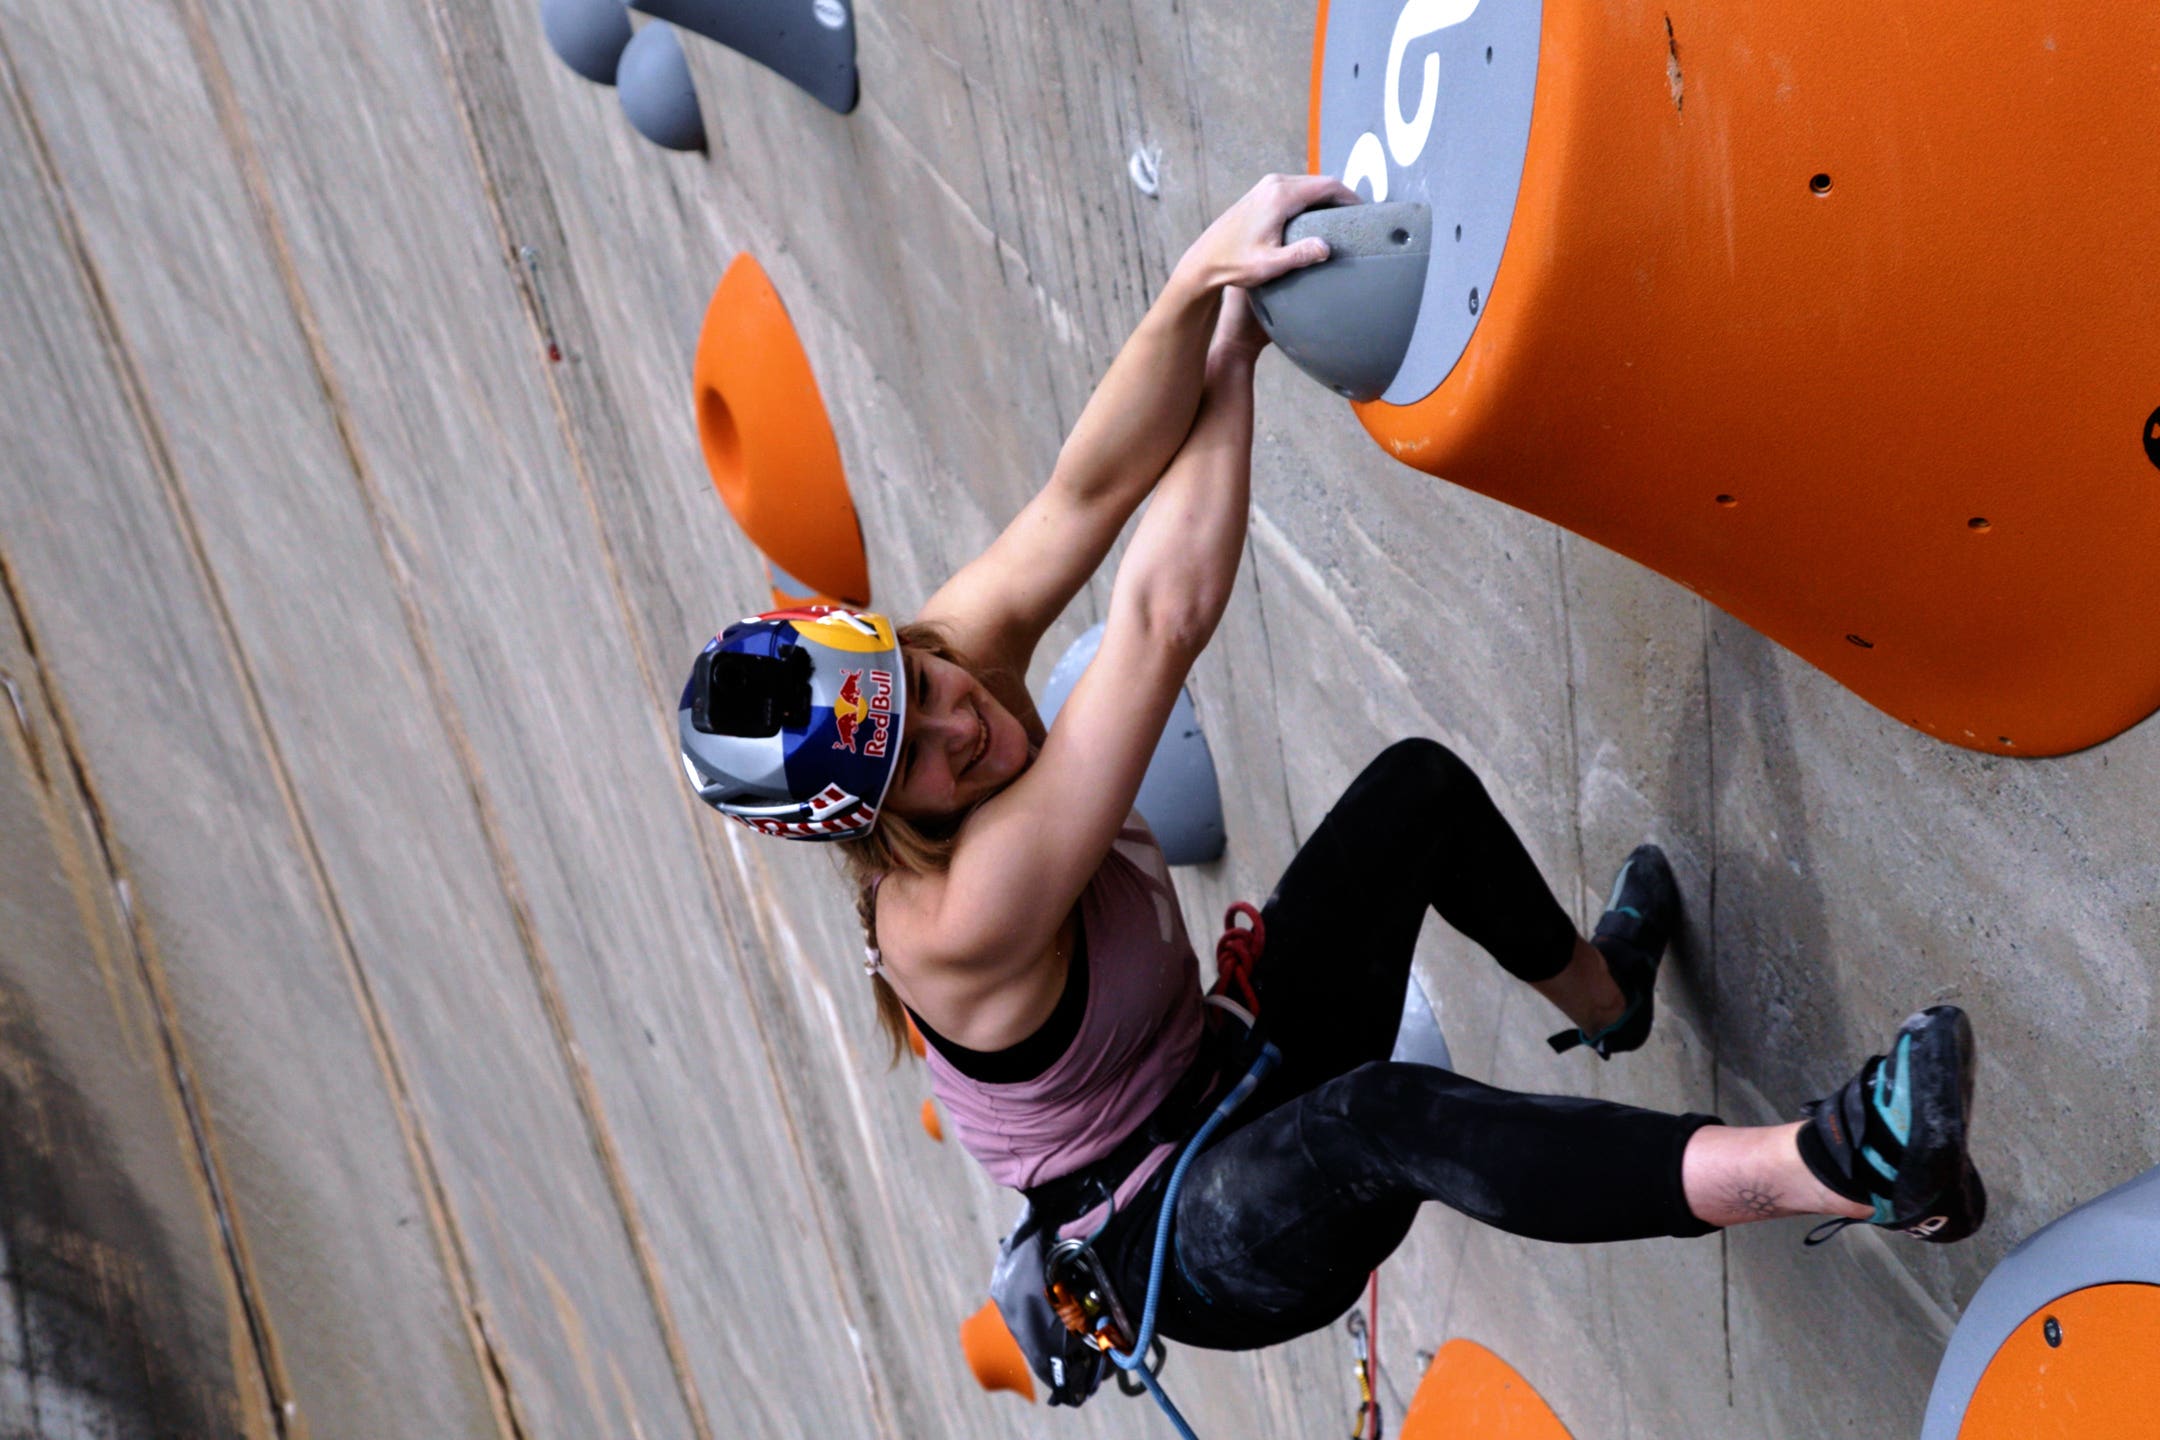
[
  {"x": 850, "y": 710},
  {"x": 881, "y": 688}
]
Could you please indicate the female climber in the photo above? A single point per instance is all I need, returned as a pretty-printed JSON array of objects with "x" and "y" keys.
[{"x": 1017, "y": 908}]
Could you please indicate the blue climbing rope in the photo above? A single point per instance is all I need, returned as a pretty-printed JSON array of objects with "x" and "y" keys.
[{"x": 1136, "y": 1358}]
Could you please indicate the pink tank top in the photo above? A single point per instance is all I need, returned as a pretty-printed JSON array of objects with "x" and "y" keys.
[{"x": 1138, "y": 1036}]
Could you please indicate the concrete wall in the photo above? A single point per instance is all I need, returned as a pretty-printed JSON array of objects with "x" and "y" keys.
[{"x": 394, "y": 1047}]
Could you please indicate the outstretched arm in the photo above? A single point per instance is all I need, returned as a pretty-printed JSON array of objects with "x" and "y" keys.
[
  {"x": 998, "y": 606},
  {"x": 1027, "y": 853}
]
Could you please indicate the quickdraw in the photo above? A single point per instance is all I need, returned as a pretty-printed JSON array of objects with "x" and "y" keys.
[
  {"x": 1365, "y": 1364},
  {"x": 1080, "y": 1293}
]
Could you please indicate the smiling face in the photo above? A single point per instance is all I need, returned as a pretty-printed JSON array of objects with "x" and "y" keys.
[{"x": 958, "y": 745}]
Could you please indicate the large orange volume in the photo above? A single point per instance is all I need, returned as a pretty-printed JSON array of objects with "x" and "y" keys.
[
  {"x": 1469, "y": 1393},
  {"x": 2081, "y": 1369},
  {"x": 1845, "y": 316},
  {"x": 769, "y": 445}
]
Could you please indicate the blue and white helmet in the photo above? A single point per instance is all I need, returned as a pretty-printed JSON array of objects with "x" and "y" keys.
[{"x": 791, "y": 721}]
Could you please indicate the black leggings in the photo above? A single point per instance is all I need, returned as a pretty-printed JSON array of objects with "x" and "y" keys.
[{"x": 1279, "y": 1223}]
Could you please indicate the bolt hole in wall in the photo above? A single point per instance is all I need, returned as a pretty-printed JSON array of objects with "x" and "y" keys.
[
  {"x": 1728, "y": 501},
  {"x": 1857, "y": 640},
  {"x": 1979, "y": 523},
  {"x": 1820, "y": 184}
]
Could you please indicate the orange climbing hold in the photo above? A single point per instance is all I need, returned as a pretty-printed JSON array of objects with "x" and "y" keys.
[
  {"x": 2093, "y": 1380},
  {"x": 770, "y": 447},
  {"x": 1469, "y": 1393},
  {"x": 994, "y": 1355},
  {"x": 1844, "y": 318},
  {"x": 932, "y": 1126}
]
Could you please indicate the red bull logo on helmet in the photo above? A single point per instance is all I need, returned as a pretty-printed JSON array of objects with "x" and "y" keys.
[
  {"x": 881, "y": 713},
  {"x": 851, "y": 709}
]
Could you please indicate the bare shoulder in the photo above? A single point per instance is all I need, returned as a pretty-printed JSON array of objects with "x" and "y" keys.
[
  {"x": 985, "y": 1001},
  {"x": 904, "y": 911},
  {"x": 939, "y": 966},
  {"x": 918, "y": 938}
]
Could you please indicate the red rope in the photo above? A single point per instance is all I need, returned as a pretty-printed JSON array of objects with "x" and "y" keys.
[
  {"x": 1372, "y": 1350},
  {"x": 1237, "y": 951}
]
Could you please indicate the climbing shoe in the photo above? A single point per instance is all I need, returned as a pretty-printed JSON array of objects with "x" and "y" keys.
[
  {"x": 1632, "y": 934},
  {"x": 1893, "y": 1136}
]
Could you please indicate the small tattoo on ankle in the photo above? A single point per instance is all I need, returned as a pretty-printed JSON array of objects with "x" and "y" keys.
[{"x": 1754, "y": 1200}]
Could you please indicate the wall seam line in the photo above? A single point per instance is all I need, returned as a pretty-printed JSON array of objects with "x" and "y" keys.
[
  {"x": 581, "y": 467},
  {"x": 419, "y": 1149},
  {"x": 201, "y": 1132}
]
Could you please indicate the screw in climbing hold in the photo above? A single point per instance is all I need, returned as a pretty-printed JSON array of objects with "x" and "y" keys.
[
  {"x": 2053, "y": 1330},
  {"x": 2152, "y": 438}
]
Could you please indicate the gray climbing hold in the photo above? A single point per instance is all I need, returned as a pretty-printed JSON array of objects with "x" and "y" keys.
[
  {"x": 587, "y": 35},
  {"x": 2113, "y": 1240},
  {"x": 783, "y": 583},
  {"x": 1178, "y": 797},
  {"x": 654, "y": 81},
  {"x": 1347, "y": 321},
  {"x": 1418, "y": 1040},
  {"x": 809, "y": 42},
  {"x": 1432, "y": 102}
]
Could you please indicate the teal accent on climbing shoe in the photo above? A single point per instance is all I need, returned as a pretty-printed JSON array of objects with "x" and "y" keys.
[
  {"x": 1883, "y": 1213},
  {"x": 1625, "y": 1016},
  {"x": 1619, "y": 883},
  {"x": 1882, "y": 1166},
  {"x": 1896, "y": 1108}
]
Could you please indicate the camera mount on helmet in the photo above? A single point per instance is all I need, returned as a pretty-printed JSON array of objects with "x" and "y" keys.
[{"x": 750, "y": 695}]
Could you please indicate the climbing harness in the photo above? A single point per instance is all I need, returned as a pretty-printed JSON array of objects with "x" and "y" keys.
[
  {"x": 1104, "y": 1331},
  {"x": 1074, "y": 1278}
]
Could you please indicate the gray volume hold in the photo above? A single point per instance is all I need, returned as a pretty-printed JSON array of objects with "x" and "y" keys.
[
  {"x": 1347, "y": 321},
  {"x": 2111, "y": 1240},
  {"x": 1418, "y": 1040},
  {"x": 808, "y": 42},
  {"x": 587, "y": 35},
  {"x": 1179, "y": 797},
  {"x": 657, "y": 95},
  {"x": 1433, "y": 102}
]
